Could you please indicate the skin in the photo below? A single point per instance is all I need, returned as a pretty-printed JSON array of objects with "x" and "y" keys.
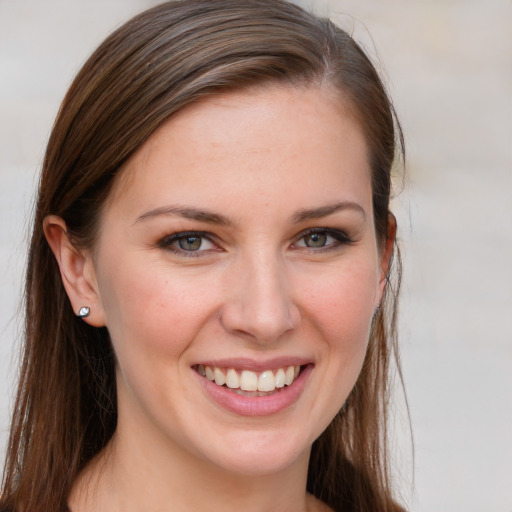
[{"x": 253, "y": 290}]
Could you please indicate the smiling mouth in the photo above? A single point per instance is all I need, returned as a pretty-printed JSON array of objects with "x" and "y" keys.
[{"x": 249, "y": 383}]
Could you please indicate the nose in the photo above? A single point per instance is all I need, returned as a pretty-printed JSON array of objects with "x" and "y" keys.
[{"x": 259, "y": 304}]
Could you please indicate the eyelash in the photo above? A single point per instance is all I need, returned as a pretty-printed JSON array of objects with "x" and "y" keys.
[
  {"x": 340, "y": 238},
  {"x": 166, "y": 242}
]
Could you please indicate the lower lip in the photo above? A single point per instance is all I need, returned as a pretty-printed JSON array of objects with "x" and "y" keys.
[{"x": 256, "y": 405}]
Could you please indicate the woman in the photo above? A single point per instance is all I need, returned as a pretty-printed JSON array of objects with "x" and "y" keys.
[{"x": 209, "y": 311}]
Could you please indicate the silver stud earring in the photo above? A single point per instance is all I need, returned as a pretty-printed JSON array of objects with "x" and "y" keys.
[{"x": 84, "y": 312}]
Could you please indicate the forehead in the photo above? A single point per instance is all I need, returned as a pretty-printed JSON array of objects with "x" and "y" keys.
[{"x": 257, "y": 138}]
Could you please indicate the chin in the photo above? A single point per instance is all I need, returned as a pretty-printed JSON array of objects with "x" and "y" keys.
[{"x": 260, "y": 454}]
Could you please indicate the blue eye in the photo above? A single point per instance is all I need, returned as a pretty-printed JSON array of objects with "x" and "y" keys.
[
  {"x": 322, "y": 239},
  {"x": 187, "y": 242}
]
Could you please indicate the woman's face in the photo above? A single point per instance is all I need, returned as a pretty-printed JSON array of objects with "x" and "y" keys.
[{"x": 238, "y": 245}]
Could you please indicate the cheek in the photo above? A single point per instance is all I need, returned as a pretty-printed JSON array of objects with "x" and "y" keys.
[
  {"x": 343, "y": 304},
  {"x": 339, "y": 312},
  {"x": 342, "y": 311},
  {"x": 150, "y": 311},
  {"x": 152, "y": 318}
]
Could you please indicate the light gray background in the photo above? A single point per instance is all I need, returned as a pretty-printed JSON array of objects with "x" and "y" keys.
[{"x": 448, "y": 64}]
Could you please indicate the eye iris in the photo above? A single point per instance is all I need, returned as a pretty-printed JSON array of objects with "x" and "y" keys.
[
  {"x": 316, "y": 240},
  {"x": 190, "y": 243}
]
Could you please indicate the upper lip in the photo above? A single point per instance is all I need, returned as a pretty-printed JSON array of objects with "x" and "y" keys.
[{"x": 242, "y": 363}]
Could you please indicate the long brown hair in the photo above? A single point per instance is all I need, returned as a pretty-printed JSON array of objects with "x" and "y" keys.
[{"x": 150, "y": 68}]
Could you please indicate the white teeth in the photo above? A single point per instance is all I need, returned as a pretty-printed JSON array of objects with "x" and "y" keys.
[
  {"x": 209, "y": 373},
  {"x": 266, "y": 381},
  {"x": 280, "y": 378},
  {"x": 220, "y": 378},
  {"x": 248, "y": 381},
  {"x": 232, "y": 379},
  {"x": 289, "y": 375}
]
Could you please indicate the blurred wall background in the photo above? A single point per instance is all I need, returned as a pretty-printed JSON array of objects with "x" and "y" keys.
[{"x": 448, "y": 65}]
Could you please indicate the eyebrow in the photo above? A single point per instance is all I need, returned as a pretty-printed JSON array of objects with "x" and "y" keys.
[
  {"x": 325, "y": 211},
  {"x": 187, "y": 212},
  {"x": 204, "y": 215}
]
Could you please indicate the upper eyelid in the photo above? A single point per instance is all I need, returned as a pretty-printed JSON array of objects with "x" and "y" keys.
[
  {"x": 331, "y": 231},
  {"x": 321, "y": 230},
  {"x": 168, "y": 239},
  {"x": 181, "y": 234}
]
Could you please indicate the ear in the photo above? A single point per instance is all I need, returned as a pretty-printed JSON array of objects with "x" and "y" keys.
[
  {"x": 76, "y": 270},
  {"x": 386, "y": 255}
]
